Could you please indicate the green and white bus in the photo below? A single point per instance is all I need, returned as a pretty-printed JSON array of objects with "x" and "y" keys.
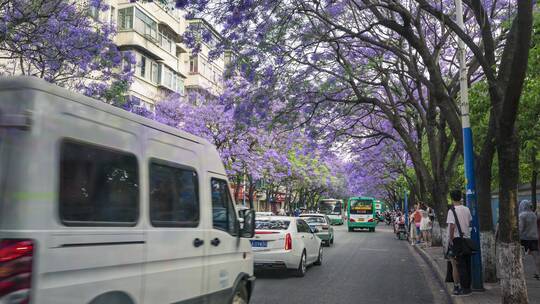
[
  {"x": 379, "y": 206},
  {"x": 361, "y": 213},
  {"x": 334, "y": 209}
]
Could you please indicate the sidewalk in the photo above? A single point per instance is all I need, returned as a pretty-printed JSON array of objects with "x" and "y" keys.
[{"x": 492, "y": 295}]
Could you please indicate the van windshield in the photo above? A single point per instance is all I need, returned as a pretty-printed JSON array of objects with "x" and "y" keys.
[{"x": 272, "y": 224}]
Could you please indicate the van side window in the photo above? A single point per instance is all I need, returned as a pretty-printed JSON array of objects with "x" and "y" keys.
[
  {"x": 223, "y": 212},
  {"x": 174, "y": 196},
  {"x": 98, "y": 186}
]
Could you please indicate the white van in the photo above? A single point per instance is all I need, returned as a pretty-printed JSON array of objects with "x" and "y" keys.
[{"x": 101, "y": 206}]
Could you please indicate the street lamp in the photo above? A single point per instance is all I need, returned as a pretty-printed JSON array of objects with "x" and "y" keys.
[{"x": 468, "y": 157}]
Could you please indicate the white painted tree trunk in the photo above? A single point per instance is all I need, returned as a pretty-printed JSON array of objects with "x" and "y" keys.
[
  {"x": 513, "y": 287},
  {"x": 489, "y": 256},
  {"x": 436, "y": 234}
]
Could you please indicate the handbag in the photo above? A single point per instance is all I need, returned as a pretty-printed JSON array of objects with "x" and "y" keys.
[
  {"x": 462, "y": 245},
  {"x": 449, "y": 277}
]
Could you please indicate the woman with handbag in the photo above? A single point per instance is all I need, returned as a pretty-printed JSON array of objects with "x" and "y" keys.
[{"x": 460, "y": 246}]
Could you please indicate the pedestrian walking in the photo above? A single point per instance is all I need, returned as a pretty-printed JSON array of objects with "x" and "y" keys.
[
  {"x": 458, "y": 220},
  {"x": 528, "y": 233},
  {"x": 425, "y": 225},
  {"x": 417, "y": 218}
]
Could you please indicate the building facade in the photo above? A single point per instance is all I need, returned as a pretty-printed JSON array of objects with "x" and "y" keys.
[{"x": 153, "y": 32}]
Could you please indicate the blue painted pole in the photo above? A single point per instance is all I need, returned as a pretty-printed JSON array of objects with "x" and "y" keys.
[
  {"x": 477, "y": 280},
  {"x": 468, "y": 156}
]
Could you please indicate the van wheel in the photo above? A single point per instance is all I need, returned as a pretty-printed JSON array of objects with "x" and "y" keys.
[
  {"x": 318, "y": 262},
  {"x": 240, "y": 294},
  {"x": 301, "y": 271}
]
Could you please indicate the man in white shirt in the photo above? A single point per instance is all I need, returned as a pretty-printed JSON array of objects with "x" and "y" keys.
[{"x": 462, "y": 278}]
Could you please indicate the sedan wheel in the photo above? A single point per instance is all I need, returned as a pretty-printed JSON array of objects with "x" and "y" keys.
[
  {"x": 319, "y": 259},
  {"x": 301, "y": 271}
]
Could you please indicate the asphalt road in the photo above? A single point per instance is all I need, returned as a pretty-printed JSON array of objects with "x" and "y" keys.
[{"x": 361, "y": 267}]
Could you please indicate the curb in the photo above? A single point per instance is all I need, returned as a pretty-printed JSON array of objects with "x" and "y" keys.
[{"x": 439, "y": 273}]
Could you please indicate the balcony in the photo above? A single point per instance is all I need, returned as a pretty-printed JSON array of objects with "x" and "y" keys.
[{"x": 132, "y": 37}]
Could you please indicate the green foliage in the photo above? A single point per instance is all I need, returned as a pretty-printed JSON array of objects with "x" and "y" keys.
[{"x": 528, "y": 120}]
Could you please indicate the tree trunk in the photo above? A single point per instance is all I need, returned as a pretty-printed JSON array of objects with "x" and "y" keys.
[
  {"x": 489, "y": 256},
  {"x": 251, "y": 194},
  {"x": 483, "y": 192},
  {"x": 514, "y": 289},
  {"x": 534, "y": 178},
  {"x": 237, "y": 188},
  {"x": 437, "y": 234},
  {"x": 440, "y": 206}
]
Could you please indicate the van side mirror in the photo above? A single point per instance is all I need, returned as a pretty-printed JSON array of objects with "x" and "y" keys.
[{"x": 248, "y": 227}]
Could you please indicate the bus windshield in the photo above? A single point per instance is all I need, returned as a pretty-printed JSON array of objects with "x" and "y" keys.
[
  {"x": 330, "y": 207},
  {"x": 361, "y": 207}
]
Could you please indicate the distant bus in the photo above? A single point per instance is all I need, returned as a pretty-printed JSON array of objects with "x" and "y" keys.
[
  {"x": 378, "y": 207},
  {"x": 361, "y": 213},
  {"x": 334, "y": 209}
]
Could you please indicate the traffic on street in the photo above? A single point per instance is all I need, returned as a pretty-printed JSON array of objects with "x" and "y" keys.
[{"x": 360, "y": 267}]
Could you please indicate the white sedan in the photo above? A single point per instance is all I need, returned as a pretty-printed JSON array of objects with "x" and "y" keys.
[{"x": 285, "y": 242}]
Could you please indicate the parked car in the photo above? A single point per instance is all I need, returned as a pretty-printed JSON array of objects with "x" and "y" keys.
[
  {"x": 100, "y": 206},
  {"x": 283, "y": 242},
  {"x": 323, "y": 225}
]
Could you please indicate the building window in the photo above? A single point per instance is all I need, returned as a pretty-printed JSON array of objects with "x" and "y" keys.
[
  {"x": 143, "y": 67},
  {"x": 147, "y": 68},
  {"x": 98, "y": 186},
  {"x": 179, "y": 85},
  {"x": 145, "y": 25},
  {"x": 174, "y": 196},
  {"x": 125, "y": 18},
  {"x": 194, "y": 64},
  {"x": 167, "y": 77},
  {"x": 113, "y": 14},
  {"x": 155, "y": 72},
  {"x": 166, "y": 42},
  {"x": 171, "y": 80}
]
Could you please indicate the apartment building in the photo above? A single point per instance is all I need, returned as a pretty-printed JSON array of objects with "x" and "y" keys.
[
  {"x": 153, "y": 32},
  {"x": 206, "y": 73}
]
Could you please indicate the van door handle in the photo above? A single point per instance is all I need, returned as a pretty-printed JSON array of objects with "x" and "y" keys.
[
  {"x": 198, "y": 242},
  {"x": 215, "y": 242}
]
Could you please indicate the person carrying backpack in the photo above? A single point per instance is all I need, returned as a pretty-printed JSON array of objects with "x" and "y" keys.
[{"x": 458, "y": 219}]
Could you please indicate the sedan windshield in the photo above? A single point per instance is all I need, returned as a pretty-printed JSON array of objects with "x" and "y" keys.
[
  {"x": 315, "y": 220},
  {"x": 272, "y": 224}
]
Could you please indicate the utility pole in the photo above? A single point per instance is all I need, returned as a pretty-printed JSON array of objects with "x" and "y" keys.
[{"x": 468, "y": 156}]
